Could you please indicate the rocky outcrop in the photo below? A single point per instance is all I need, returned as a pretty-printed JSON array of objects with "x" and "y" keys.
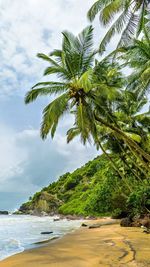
[
  {"x": 44, "y": 204},
  {"x": 136, "y": 221}
]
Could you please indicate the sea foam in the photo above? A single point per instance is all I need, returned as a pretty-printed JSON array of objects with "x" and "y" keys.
[{"x": 20, "y": 232}]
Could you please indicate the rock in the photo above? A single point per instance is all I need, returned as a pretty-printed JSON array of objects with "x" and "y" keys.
[
  {"x": 84, "y": 225},
  {"x": 43, "y": 213},
  {"x": 126, "y": 222},
  {"x": 145, "y": 222},
  {"x": 145, "y": 230},
  {"x": 72, "y": 217},
  {"x": 56, "y": 219},
  {"x": 46, "y": 233},
  {"x": 4, "y": 212},
  {"x": 136, "y": 223},
  {"x": 18, "y": 212}
]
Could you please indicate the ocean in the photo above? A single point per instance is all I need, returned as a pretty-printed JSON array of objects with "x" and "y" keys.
[{"x": 20, "y": 232}]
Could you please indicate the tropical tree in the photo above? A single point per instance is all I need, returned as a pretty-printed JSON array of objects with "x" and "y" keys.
[
  {"x": 134, "y": 122},
  {"x": 77, "y": 84},
  {"x": 88, "y": 93},
  {"x": 137, "y": 57},
  {"x": 129, "y": 17}
]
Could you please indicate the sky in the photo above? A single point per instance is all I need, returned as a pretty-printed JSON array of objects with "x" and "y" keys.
[{"x": 26, "y": 162}]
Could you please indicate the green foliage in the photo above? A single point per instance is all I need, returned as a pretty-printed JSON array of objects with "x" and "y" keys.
[
  {"x": 72, "y": 181},
  {"x": 94, "y": 189},
  {"x": 139, "y": 201},
  {"x": 131, "y": 19}
]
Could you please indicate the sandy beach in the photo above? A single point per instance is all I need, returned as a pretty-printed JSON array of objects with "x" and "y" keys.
[{"x": 107, "y": 246}]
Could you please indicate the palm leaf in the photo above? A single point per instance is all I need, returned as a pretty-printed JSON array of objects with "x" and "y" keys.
[
  {"x": 72, "y": 133},
  {"x": 109, "y": 11},
  {"x": 49, "y": 84},
  {"x": 115, "y": 28},
  {"x": 52, "y": 113},
  {"x": 43, "y": 91},
  {"x": 96, "y": 7}
]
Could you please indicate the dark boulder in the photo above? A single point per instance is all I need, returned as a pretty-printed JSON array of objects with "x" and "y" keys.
[
  {"x": 56, "y": 219},
  {"x": 46, "y": 233},
  {"x": 126, "y": 222},
  {"x": 146, "y": 222},
  {"x": 84, "y": 225}
]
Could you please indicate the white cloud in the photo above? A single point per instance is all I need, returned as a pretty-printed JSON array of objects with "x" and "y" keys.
[
  {"x": 30, "y": 26},
  {"x": 11, "y": 157},
  {"x": 27, "y": 163}
]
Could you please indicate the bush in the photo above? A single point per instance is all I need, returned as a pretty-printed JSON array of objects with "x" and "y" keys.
[
  {"x": 72, "y": 181},
  {"x": 139, "y": 201}
]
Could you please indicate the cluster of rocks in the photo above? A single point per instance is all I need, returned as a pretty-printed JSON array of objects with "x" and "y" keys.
[{"x": 137, "y": 221}]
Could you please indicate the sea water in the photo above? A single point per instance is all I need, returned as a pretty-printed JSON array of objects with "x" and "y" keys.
[{"x": 20, "y": 232}]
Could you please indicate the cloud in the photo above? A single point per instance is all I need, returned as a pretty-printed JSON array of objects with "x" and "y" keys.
[
  {"x": 28, "y": 27},
  {"x": 28, "y": 163}
]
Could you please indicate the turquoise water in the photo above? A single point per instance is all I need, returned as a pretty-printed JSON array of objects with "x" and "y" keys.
[{"x": 18, "y": 233}]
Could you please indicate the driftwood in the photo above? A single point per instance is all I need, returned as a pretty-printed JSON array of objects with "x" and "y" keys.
[{"x": 98, "y": 225}]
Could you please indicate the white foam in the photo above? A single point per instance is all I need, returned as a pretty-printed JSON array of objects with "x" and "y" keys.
[{"x": 20, "y": 232}]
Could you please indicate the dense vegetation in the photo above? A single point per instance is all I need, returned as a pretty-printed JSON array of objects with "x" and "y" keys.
[
  {"x": 94, "y": 189},
  {"x": 110, "y": 109}
]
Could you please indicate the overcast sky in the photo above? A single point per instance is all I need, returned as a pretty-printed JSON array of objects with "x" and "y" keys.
[{"x": 26, "y": 162}]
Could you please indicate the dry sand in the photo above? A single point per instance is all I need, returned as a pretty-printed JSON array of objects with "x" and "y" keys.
[{"x": 107, "y": 246}]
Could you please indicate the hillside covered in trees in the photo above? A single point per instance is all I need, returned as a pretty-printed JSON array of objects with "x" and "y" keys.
[{"x": 94, "y": 189}]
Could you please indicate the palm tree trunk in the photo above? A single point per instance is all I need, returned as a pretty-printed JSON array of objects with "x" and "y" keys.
[
  {"x": 133, "y": 162},
  {"x": 123, "y": 158},
  {"x": 115, "y": 167}
]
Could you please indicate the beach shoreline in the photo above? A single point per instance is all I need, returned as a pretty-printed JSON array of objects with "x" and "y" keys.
[{"x": 109, "y": 245}]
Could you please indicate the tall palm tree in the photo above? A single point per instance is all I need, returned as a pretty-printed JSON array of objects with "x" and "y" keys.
[
  {"x": 137, "y": 57},
  {"x": 134, "y": 122},
  {"x": 128, "y": 16},
  {"x": 82, "y": 90},
  {"x": 73, "y": 66}
]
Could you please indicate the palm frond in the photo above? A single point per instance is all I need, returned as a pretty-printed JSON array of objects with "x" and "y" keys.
[
  {"x": 48, "y": 84},
  {"x": 85, "y": 48},
  {"x": 141, "y": 23},
  {"x": 72, "y": 133},
  {"x": 115, "y": 28},
  {"x": 129, "y": 30},
  {"x": 43, "y": 91},
  {"x": 48, "y": 59},
  {"x": 96, "y": 7},
  {"x": 52, "y": 113},
  {"x": 109, "y": 11}
]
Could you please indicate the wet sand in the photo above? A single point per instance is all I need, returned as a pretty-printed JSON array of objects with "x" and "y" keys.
[{"x": 107, "y": 246}]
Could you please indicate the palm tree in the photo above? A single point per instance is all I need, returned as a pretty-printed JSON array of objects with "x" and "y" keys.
[
  {"x": 137, "y": 57},
  {"x": 73, "y": 66},
  {"x": 129, "y": 18},
  {"x": 82, "y": 90},
  {"x": 134, "y": 123},
  {"x": 78, "y": 83}
]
